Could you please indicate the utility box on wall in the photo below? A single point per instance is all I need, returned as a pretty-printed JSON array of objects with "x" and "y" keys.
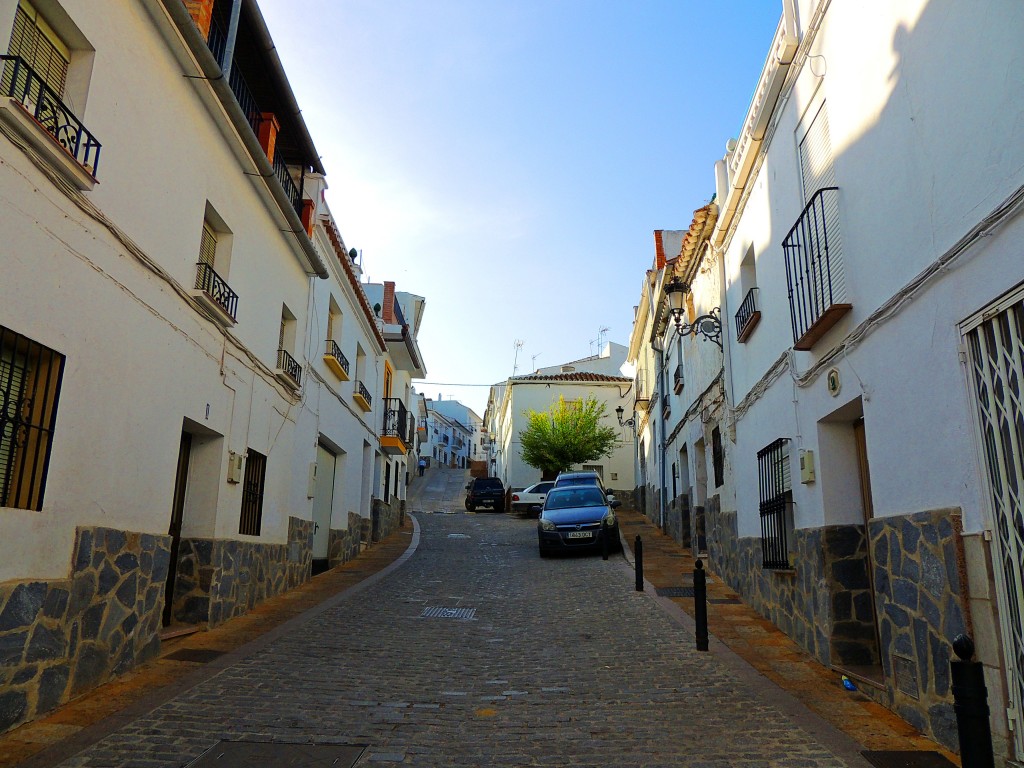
[
  {"x": 234, "y": 467},
  {"x": 806, "y": 467}
]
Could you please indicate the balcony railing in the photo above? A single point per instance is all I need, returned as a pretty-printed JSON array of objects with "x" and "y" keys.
[
  {"x": 331, "y": 349},
  {"x": 288, "y": 364},
  {"x": 748, "y": 316},
  {"x": 22, "y": 83},
  {"x": 677, "y": 379},
  {"x": 364, "y": 393},
  {"x": 814, "y": 269},
  {"x": 288, "y": 183},
  {"x": 213, "y": 285},
  {"x": 396, "y": 420}
]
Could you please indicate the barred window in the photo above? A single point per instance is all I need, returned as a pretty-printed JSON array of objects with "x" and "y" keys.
[
  {"x": 30, "y": 379},
  {"x": 252, "y": 493},
  {"x": 776, "y": 507},
  {"x": 717, "y": 456}
]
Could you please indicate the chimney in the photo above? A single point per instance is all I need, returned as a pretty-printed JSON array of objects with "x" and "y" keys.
[
  {"x": 659, "y": 250},
  {"x": 387, "y": 312},
  {"x": 201, "y": 12},
  {"x": 269, "y": 126}
]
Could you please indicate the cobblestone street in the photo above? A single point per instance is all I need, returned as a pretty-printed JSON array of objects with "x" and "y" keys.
[{"x": 476, "y": 652}]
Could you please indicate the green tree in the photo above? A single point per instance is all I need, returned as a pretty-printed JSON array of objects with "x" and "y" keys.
[{"x": 567, "y": 433}]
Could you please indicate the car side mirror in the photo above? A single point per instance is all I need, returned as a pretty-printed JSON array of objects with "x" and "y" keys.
[{"x": 616, "y": 504}]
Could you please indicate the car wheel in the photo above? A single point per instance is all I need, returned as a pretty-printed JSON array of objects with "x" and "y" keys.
[
  {"x": 543, "y": 551},
  {"x": 470, "y": 506}
]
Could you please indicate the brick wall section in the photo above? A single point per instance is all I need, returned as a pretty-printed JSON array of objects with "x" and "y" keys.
[
  {"x": 201, "y": 12},
  {"x": 659, "y": 250},
  {"x": 387, "y": 312}
]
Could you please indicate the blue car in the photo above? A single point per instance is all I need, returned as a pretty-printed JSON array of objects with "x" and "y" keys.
[{"x": 577, "y": 518}]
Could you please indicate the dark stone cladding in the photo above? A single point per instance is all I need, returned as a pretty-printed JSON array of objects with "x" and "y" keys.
[
  {"x": 219, "y": 579},
  {"x": 824, "y": 602},
  {"x": 61, "y": 637},
  {"x": 345, "y": 543},
  {"x": 385, "y": 518}
]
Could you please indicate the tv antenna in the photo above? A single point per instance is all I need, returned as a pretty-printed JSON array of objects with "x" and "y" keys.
[
  {"x": 533, "y": 361},
  {"x": 515, "y": 361}
]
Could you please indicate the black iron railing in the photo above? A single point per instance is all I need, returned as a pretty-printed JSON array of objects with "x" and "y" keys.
[
  {"x": 288, "y": 364},
  {"x": 396, "y": 419},
  {"x": 808, "y": 264},
  {"x": 364, "y": 393},
  {"x": 748, "y": 314},
  {"x": 21, "y": 82},
  {"x": 213, "y": 285},
  {"x": 335, "y": 351},
  {"x": 775, "y": 496},
  {"x": 677, "y": 379},
  {"x": 288, "y": 183}
]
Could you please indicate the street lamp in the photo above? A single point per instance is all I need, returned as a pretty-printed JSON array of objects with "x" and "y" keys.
[
  {"x": 628, "y": 422},
  {"x": 709, "y": 326}
]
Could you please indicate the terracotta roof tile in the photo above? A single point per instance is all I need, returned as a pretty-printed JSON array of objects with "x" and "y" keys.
[{"x": 579, "y": 376}]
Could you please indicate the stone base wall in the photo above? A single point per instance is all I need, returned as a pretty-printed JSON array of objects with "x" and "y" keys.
[
  {"x": 385, "y": 518},
  {"x": 824, "y": 603},
  {"x": 677, "y": 521},
  {"x": 218, "y": 579},
  {"x": 345, "y": 544},
  {"x": 62, "y": 637}
]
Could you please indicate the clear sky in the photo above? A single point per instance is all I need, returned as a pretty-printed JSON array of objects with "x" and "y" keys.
[{"x": 509, "y": 160}]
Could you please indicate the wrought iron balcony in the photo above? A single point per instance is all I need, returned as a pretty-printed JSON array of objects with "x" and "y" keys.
[
  {"x": 362, "y": 396},
  {"x": 814, "y": 270},
  {"x": 396, "y": 419},
  {"x": 289, "y": 367},
  {"x": 748, "y": 317},
  {"x": 677, "y": 379},
  {"x": 335, "y": 360},
  {"x": 216, "y": 291},
  {"x": 22, "y": 83}
]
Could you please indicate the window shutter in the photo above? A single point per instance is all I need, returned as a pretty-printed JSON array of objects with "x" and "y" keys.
[
  {"x": 33, "y": 40},
  {"x": 817, "y": 172},
  {"x": 208, "y": 246},
  {"x": 12, "y": 382}
]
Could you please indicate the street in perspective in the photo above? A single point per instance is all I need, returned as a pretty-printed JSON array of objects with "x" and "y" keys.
[{"x": 477, "y": 652}]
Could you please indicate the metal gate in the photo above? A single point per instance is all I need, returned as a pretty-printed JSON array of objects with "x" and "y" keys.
[{"x": 995, "y": 342}]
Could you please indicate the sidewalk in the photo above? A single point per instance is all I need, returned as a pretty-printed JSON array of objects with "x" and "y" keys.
[
  {"x": 200, "y": 655},
  {"x": 768, "y": 650}
]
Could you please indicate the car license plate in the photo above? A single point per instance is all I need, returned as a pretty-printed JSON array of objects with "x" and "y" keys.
[{"x": 578, "y": 535}]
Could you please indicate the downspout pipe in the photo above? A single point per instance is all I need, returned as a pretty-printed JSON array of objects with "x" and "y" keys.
[{"x": 232, "y": 37}]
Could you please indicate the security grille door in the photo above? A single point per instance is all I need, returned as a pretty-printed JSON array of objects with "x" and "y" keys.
[
  {"x": 817, "y": 172},
  {"x": 996, "y": 369}
]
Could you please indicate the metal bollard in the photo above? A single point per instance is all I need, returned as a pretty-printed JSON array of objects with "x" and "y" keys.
[
  {"x": 700, "y": 605},
  {"x": 604, "y": 540},
  {"x": 638, "y": 557},
  {"x": 970, "y": 703}
]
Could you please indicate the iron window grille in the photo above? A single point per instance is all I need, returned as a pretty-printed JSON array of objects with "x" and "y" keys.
[
  {"x": 22, "y": 83},
  {"x": 810, "y": 266},
  {"x": 748, "y": 316},
  {"x": 214, "y": 286},
  {"x": 677, "y": 379},
  {"x": 363, "y": 392},
  {"x": 290, "y": 366},
  {"x": 776, "y": 499},
  {"x": 334, "y": 351},
  {"x": 30, "y": 381},
  {"x": 252, "y": 493}
]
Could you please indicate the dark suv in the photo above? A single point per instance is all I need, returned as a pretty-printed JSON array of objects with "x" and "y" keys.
[{"x": 485, "y": 492}]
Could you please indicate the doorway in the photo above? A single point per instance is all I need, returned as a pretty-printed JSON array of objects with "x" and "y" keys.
[
  {"x": 323, "y": 504},
  {"x": 177, "y": 516}
]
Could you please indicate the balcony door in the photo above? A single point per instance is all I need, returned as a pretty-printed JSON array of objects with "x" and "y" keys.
[{"x": 323, "y": 503}]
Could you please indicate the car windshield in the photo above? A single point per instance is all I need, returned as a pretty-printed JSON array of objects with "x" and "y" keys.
[{"x": 575, "y": 497}]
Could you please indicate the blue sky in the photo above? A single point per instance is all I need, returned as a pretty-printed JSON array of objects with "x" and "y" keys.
[{"x": 510, "y": 160}]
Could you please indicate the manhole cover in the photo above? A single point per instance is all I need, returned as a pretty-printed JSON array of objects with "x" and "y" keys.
[
  {"x": 674, "y": 591},
  {"x": 201, "y": 655},
  {"x": 448, "y": 613},
  {"x": 907, "y": 759},
  {"x": 245, "y": 754}
]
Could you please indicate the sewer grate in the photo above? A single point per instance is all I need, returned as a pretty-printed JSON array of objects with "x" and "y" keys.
[
  {"x": 625, "y": 523},
  {"x": 725, "y": 600},
  {"x": 448, "y": 613},
  {"x": 674, "y": 591},
  {"x": 916, "y": 758},
  {"x": 201, "y": 655},
  {"x": 244, "y": 754}
]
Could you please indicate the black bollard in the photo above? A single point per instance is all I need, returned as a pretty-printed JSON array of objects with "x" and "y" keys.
[
  {"x": 970, "y": 703},
  {"x": 700, "y": 605},
  {"x": 638, "y": 557},
  {"x": 604, "y": 540}
]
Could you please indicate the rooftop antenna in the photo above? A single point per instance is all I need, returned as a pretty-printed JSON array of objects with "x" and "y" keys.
[
  {"x": 533, "y": 361},
  {"x": 515, "y": 361},
  {"x": 600, "y": 337}
]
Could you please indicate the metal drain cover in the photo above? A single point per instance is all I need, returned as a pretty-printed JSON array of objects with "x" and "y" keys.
[
  {"x": 725, "y": 600},
  {"x": 245, "y": 754},
  {"x": 674, "y": 591},
  {"x": 448, "y": 613},
  {"x": 916, "y": 758},
  {"x": 201, "y": 655}
]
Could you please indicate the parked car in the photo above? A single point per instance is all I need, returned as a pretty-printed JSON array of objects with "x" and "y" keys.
[
  {"x": 577, "y": 517},
  {"x": 528, "y": 498},
  {"x": 583, "y": 478},
  {"x": 485, "y": 492}
]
